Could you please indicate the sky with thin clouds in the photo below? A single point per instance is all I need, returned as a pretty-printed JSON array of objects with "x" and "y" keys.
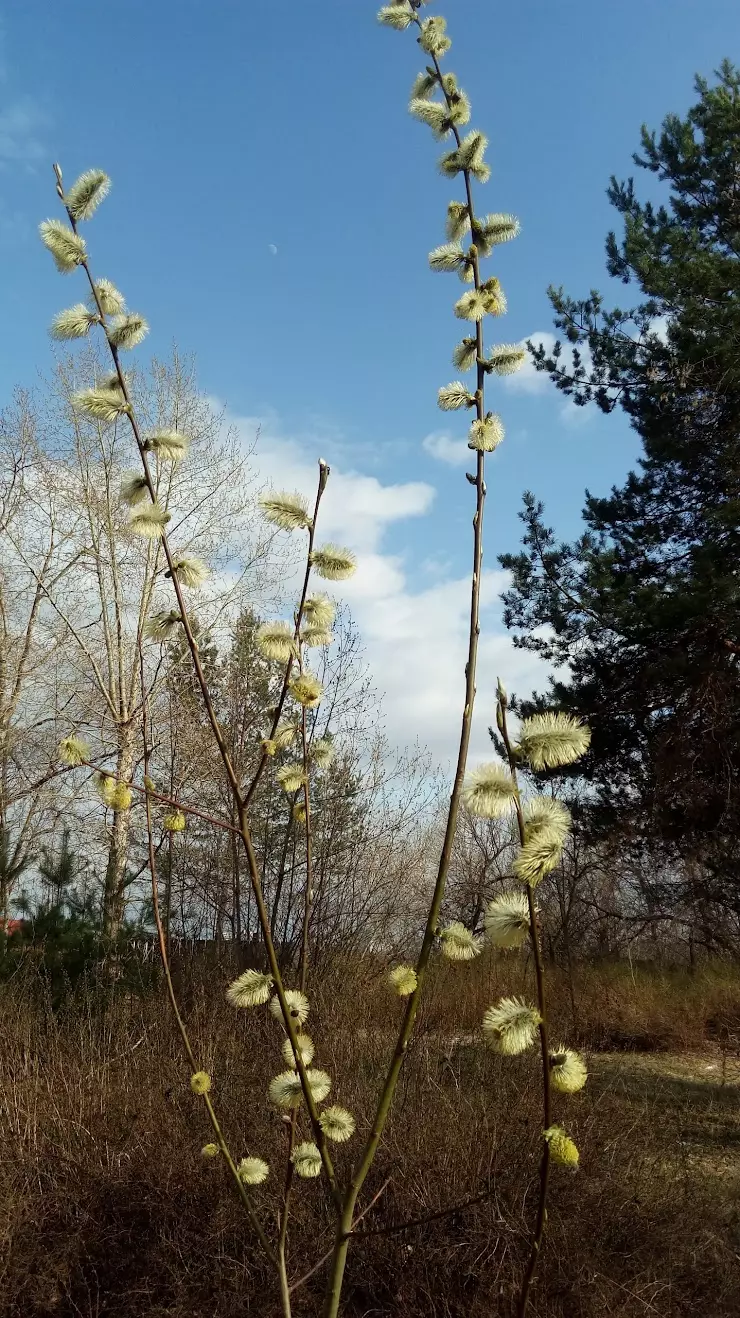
[{"x": 272, "y": 210}]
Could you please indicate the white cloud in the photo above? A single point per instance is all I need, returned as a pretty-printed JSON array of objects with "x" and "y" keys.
[
  {"x": 415, "y": 633},
  {"x": 417, "y": 644},
  {"x": 659, "y": 326},
  {"x": 379, "y": 577},
  {"x": 20, "y": 125},
  {"x": 574, "y": 416},
  {"x": 528, "y": 380},
  {"x": 442, "y": 446},
  {"x": 356, "y": 508}
]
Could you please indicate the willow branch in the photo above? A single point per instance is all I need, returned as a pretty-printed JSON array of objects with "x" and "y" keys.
[
  {"x": 187, "y": 1046},
  {"x": 308, "y": 894},
  {"x": 409, "y": 1017},
  {"x": 462, "y": 756},
  {"x": 232, "y": 778},
  {"x": 324, "y": 472},
  {"x": 539, "y": 1228}
]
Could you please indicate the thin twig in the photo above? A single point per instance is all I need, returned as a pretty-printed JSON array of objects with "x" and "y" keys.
[
  {"x": 241, "y": 1187},
  {"x": 325, "y": 1257},
  {"x": 430, "y": 1217},
  {"x": 324, "y": 471}
]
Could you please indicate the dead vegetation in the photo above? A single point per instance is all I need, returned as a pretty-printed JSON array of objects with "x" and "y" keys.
[{"x": 107, "y": 1208}]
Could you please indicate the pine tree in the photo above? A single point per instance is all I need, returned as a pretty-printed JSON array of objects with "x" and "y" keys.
[{"x": 644, "y": 609}]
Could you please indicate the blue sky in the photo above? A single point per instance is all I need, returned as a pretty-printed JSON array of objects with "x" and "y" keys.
[{"x": 273, "y": 207}]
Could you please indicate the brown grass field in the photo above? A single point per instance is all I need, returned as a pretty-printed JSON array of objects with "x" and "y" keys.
[{"x": 106, "y": 1207}]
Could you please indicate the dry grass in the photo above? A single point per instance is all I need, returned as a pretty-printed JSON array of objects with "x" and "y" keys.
[{"x": 107, "y": 1209}]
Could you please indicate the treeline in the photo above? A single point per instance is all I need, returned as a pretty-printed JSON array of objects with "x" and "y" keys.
[
  {"x": 79, "y": 656},
  {"x": 641, "y": 616},
  {"x": 642, "y": 613}
]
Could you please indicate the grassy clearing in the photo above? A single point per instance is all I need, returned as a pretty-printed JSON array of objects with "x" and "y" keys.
[{"x": 107, "y": 1209}]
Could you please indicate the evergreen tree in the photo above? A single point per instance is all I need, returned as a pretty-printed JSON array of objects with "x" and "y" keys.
[
  {"x": 58, "y": 869},
  {"x": 644, "y": 611}
]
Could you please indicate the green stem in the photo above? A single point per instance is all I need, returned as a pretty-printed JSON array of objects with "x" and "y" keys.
[
  {"x": 339, "y": 1258},
  {"x": 539, "y": 1228},
  {"x": 284, "y": 1287},
  {"x": 308, "y": 894},
  {"x": 283, "y": 1236}
]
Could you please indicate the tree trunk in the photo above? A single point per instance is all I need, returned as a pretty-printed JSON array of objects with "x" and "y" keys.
[{"x": 114, "y": 894}]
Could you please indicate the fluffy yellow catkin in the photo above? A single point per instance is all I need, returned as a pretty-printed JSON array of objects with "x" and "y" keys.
[
  {"x": 403, "y": 980},
  {"x": 250, "y": 989},
  {"x": 200, "y": 1082}
]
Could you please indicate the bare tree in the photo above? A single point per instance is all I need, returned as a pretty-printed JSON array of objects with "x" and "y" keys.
[
  {"x": 38, "y": 548},
  {"x": 96, "y": 616}
]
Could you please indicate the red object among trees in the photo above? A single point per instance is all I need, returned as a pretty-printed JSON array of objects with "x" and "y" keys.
[{"x": 11, "y": 927}]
